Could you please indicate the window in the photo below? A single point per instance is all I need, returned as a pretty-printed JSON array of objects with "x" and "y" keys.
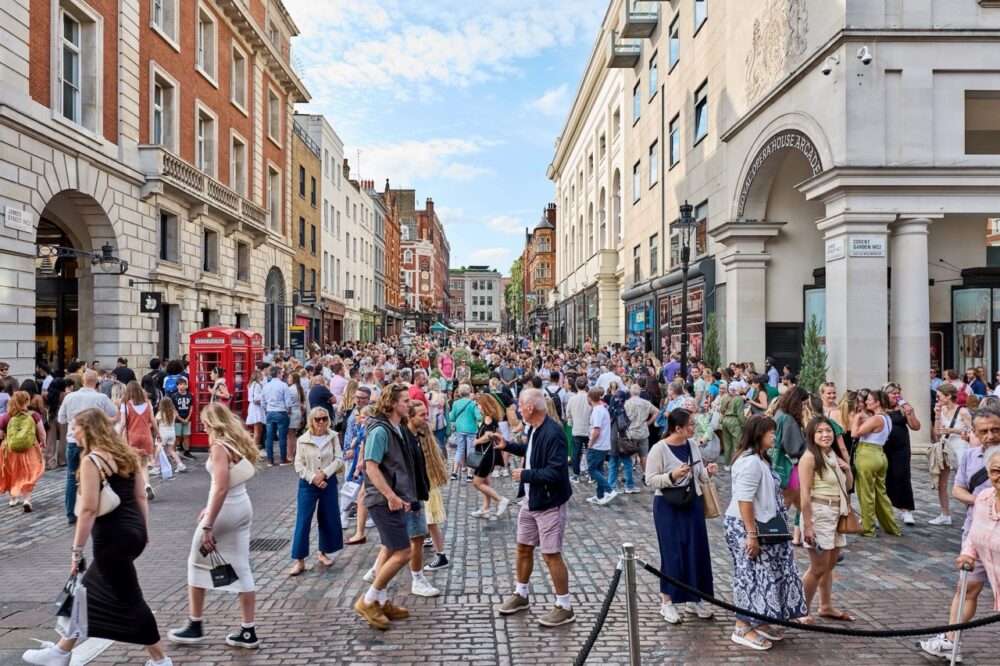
[
  {"x": 312, "y": 191},
  {"x": 205, "y": 48},
  {"x": 164, "y": 18},
  {"x": 636, "y": 104},
  {"x": 312, "y": 238},
  {"x": 653, "y": 83},
  {"x": 274, "y": 34},
  {"x": 209, "y": 251},
  {"x": 302, "y": 181},
  {"x": 312, "y": 279},
  {"x": 274, "y": 197},
  {"x": 348, "y": 243},
  {"x": 590, "y": 165},
  {"x": 169, "y": 235},
  {"x": 701, "y": 232},
  {"x": 163, "y": 109},
  {"x": 302, "y": 232},
  {"x": 637, "y": 263},
  {"x": 604, "y": 146},
  {"x": 326, "y": 215},
  {"x": 238, "y": 164},
  {"x": 302, "y": 278},
  {"x": 205, "y": 141},
  {"x": 77, "y": 71},
  {"x": 675, "y": 140},
  {"x": 654, "y": 163},
  {"x": 700, "y": 13},
  {"x": 675, "y": 43},
  {"x": 238, "y": 74},
  {"x": 338, "y": 224},
  {"x": 982, "y": 122},
  {"x": 701, "y": 112},
  {"x": 274, "y": 116},
  {"x": 242, "y": 321},
  {"x": 407, "y": 257},
  {"x": 616, "y": 123},
  {"x": 654, "y": 254},
  {"x": 636, "y": 181},
  {"x": 242, "y": 262}
]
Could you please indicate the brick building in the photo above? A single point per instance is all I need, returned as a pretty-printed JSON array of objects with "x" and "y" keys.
[
  {"x": 425, "y": 257},
  {"x": 128, "y": 138},
  {"x": 307, "y": 239},
  {"x": 539, "y": 272},
  {"x": 393, "y": 257}
]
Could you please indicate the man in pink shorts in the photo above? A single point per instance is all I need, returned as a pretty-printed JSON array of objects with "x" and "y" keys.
[{"x": 541, "y": 522}]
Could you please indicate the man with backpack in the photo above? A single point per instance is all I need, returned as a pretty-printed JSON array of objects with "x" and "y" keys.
[{"x": 555, "y": 391}]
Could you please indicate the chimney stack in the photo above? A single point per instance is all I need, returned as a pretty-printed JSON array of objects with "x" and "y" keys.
[
  {"x": 347, "y": 169},
  {"x": 550, "y": 214}
]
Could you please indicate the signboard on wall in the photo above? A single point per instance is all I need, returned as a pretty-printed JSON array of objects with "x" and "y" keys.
[
  {"x": 866, "y": 246},
  {"x": 834, "y": 249},
  {"x": 297, "y": 341}
]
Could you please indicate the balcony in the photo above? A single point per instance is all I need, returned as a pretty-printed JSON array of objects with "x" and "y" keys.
[
  {"x": 641, "y": 17},
  {"x": 165, "y": 171},
  {"x": 625, "y": 53}
]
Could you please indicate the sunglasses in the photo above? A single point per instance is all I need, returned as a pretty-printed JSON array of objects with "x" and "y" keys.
[{"x": 321, "y": 418}]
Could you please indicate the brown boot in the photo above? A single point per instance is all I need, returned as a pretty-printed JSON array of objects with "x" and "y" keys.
[
  {"x": 394, "y": 612},
  {"x": 372, "y": 613}
]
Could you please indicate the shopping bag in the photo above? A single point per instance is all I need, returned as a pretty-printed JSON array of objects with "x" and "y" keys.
[
  {"x": 710, "y": 500},
  {"x": 166, "y": 471},
  {"x": 70, "y": 607},
  {"x": 222, "y": 572},
  {"x": 349, "y": 493}
]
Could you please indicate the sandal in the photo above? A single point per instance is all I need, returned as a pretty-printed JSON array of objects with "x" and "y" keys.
[
  {"x": 298, "y": 569},
  {"x": 806, "y": 619},
  {"x": 771, "y": 633},
  {"x": 837, "y": 615},
  {"x": 324, "y": 561},
  {"x": 356, "y": 541},
  {"x": 758, "y": 642}
]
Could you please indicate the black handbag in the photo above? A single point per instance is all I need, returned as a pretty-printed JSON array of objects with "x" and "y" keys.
[
  {"x": 773, "y": 531},
  {"x": 222, "y": 572},
  {"x": 476, "y": 458},
  {"x": 63, "y": 605},
  {"x": 681, "y": 497}
]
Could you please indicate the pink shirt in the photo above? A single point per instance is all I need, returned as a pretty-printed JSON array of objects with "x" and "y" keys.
[
  {"x": 447, "y": 366},
  {"x": 983, "y": 542}
]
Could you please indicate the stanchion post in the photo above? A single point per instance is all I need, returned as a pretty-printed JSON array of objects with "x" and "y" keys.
[{"x": 631, "y": 604}]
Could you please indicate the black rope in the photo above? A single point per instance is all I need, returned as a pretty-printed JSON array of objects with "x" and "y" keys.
[
  {"x": 581, "y": 658},
  {"x": 823, "y": 629}
]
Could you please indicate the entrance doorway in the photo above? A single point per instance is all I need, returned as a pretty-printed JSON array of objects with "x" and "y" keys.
[{"x": 57, "y": 303}]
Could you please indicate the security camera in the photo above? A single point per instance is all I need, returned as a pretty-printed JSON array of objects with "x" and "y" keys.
[
  {"x": 829, "y": 63},
  {"x": 865, "y": 56}
]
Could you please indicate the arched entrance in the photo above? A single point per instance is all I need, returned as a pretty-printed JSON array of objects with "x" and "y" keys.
[
  {"x": 57, "y": 302},
  {"x": 274, "y": 309}
]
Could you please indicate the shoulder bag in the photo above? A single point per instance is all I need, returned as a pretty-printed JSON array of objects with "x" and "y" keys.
[
  {"x": 681, "y": 497},
  {"x": 108, "y": 500},
  {"x": 239, "y": 472},
  {"x": 773, "y": 531},
  {"x": 849, "y": 523},
  {"x": 475, "y": 459}
]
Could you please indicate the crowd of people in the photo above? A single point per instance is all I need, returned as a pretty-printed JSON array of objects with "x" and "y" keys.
[{"x": 377, "y": 431}]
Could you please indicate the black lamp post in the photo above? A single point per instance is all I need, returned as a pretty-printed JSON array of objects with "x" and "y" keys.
[
  {"x": 686, "y": 225},
  {"x": 106, "y": 259}
]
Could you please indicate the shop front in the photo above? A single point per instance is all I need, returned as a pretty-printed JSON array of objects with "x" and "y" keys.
[
  {"x": 669, "y": 294},
  {"x": 333, "y": 322},
  {"x": 640, "y": 328}
]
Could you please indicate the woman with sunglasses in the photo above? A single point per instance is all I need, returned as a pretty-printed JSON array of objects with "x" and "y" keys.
[{"x": 318, "y": 458}]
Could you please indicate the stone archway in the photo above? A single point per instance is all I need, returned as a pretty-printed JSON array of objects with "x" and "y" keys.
[{"x": 274, "y": 309}]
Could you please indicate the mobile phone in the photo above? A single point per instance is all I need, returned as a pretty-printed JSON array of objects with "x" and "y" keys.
[{"x": 203, "y": 551}]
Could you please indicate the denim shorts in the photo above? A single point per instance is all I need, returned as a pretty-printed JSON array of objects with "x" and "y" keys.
[
  {"x": 182, "y": 429},
  {"x": 416, "y": 523}
]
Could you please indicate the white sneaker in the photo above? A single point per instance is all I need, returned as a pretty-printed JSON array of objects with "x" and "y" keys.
[
  {"x": 46, "y": 655},
  {"x": 369, "y": 523},
  {"x": 480, "y": 513},
  {"x": 632, "y": 491},
  {"x": 502, "y": 507},
  {"x": 370, "y": 575},
  {"x": 669, "y": 613},
  {"x": 607, "y": 497},
  {"x": 423, "y": 588},
  {"x": 939, "y": 646},
  {"x": 700, "y": 609},
  {"x": 154, "y": 471},
  {"x": 593, "y": 499},
  {"x": 181, "y": 467},
  {"x": 941, "y": 520},
  {"x": 13, "y": 502},
  {"x": 495, "y": 474},
  {"x": 167, "y": 662},
  {"x": 908, "y": 518}
]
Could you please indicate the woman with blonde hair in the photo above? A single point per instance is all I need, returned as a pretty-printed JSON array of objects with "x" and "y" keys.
[
  {"x": 116, "y": 609},
  {"x": 318, "y": 459},
  {"x": 166, "y": 416},
  {"x": 22, "y": 438},
  {"x": 437, "y": 475},
  {"x": 223, "y": 526},
  {"x": 492, "y": 412},
  {"x": 139, "y": 428},
  {"x": 299, "y": 406}
]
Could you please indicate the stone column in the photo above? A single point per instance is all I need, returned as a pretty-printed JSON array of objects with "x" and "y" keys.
[
  {"x": 909, "y": 326},
  {"x": 857, "y": 304}
]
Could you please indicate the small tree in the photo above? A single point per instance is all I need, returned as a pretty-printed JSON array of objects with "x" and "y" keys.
[
  {"x": 710, "y": 347},
  {"x": 814, "y": 361}
]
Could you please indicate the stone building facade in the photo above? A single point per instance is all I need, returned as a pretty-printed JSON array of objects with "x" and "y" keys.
[
  {"x": 393, "y": 270},
  {"x": 307, "y": 232},
  {"x": 539, "y": 266},
  {"x": 359, "y": 264},
  {"x": 482, "y": 298},
  {"x": 117, "y": 132}
]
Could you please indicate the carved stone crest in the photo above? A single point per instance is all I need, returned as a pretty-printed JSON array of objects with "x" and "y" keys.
[{"x": 779, "y": 38}]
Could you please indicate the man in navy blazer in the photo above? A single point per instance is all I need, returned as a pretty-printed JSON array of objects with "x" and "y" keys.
[{"x": 541, "y": 523}]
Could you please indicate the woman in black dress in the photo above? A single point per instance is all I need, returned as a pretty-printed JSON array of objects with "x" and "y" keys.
[
  {"x": 116, "y": 609},
  {"x": 897, "y": 450},
  {"x": 492, "y": 413}
]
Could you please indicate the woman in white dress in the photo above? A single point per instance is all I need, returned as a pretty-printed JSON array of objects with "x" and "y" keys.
[
  {"x": 223, "y": 526},
  {"x": 255, "y": 405}
]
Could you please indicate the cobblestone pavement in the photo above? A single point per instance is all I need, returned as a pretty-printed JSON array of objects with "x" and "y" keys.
[{"x": 885, "y": 582}]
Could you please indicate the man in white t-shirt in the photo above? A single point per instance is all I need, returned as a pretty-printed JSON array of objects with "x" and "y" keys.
[{"x": 599, "y": 447}]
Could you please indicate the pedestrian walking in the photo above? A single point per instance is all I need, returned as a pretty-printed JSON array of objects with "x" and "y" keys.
[
  {"x": 437, "y": 477},
  {"x": 952, "y": 425},
  {"x": 897, "y": 452},
  {"x": 492, "y": 414},
  {"x": 318, "y": 459},
  {"x": 223, "y": 527},
  {"x": 256, "y": 416},
  {"x": 465, "y": 417},
  {"x": 296, "y": 417},
  {"x": 55, "y": 432},
  {"x": 116, "y": 609},
  {"x": 599, "y": 447},
  {"x": 86, "y": 397},
  {"x": 166, "y": 416},
  {"x": 277, "y": 402},
  {"x": 138, "y": 424},
  {"x": 732, "y": 409},
  {"x": 22, "y": 439}
]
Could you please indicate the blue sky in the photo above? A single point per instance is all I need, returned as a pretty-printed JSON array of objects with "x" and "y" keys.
[{"x": 460, "y": 99}]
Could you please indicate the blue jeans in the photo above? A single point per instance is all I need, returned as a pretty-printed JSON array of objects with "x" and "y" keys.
[
  {"x": 579, "y": 446},
  {"x": 442, "y": 438},
  {"x": 625, "y": 462},
  {"x": 463, "y": 446},
  {"x": 279, "y": 421},
  {"x": 331, "y": 536},
  {"x": 72, "y": 465},
  {"x": 595, "y": 466}
]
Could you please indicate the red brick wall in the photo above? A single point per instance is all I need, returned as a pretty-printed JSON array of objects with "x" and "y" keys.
[{"x": 40, "y": 63}]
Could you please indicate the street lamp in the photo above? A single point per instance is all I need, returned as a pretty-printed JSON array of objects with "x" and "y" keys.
[
  {"x": 685, "y": 226},
  {"x": 106, "y": 259}
]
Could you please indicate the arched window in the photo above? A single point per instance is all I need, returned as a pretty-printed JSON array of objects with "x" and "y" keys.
[
  {"x": 616, "y": 208},
  {"x": 407, "y": 257},
  {"x": 602, "y": 238},
  {"x": 274, "y": 309}
]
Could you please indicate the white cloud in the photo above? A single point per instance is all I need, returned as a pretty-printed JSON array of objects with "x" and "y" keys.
[
  {"x": 490, "y": 255},
  {"x": 552, "y": 103},
  {"x": 416, "y": 160},
  {"x": 506, "y": 224}
]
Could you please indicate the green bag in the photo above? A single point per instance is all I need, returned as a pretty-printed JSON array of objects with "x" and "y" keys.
[{"x": 781, "y": 463}]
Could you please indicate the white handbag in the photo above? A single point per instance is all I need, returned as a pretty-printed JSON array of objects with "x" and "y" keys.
[
  {"x": 239, "y": 472},
  {"x": 108, "y": 500}
]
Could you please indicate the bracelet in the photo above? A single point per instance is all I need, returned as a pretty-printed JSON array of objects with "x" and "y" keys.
[
  {"x": 752, "y": 536},
  {"x": 77, "y": 549},
  {"x": 207, "y": 528}
]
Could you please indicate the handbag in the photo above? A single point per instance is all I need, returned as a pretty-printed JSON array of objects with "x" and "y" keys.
[
  {"x": 627, "y": 447},
  {"x": 782, "y": 464},
  {"x": 349, "y": 492},
  {"x": 108, "y": 500},
  {"x": 681, "y": 497},
  {"x": 240, "y": 472},
  {"x": 476, "y": 458},
  {"x": 851, "y": 522},
  {"x": 166, "y": 471},
  {"x": 222, "y": 572},
  {"x": 63, "y": 604},
  {"x": 773, "y": 531},
  {"x": 70, "y": 607},
  {"x": 710, "y": 499}
]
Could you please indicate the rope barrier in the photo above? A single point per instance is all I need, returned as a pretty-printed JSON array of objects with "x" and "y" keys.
[
  {"x": 822, "y": 629},
  {"x": 581, "y": 658}
]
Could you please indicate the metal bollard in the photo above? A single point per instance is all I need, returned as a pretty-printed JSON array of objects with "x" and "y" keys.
[
  {"x": 631, "y": 604},
  {"x": 962, "y": 582}
]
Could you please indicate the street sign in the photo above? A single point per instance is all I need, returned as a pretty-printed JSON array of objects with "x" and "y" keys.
[
  {"x": 866, "y": 246},
  {"x": 307, "y": 298},
  {"x": 835, "y": 249},
  {"x": 15, "y": 218},
  {"x": 149, "y": 301}
]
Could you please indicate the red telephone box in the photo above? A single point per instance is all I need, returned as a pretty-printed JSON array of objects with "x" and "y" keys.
[{"x": 234, "y": 350}]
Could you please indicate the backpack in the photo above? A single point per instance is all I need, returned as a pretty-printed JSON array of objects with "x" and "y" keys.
[
  {"x": 21, "y": 433},
  {"x": 557, "y": 401},
  {"x": 962, "y": 396},
  {"x": 170, "y": 384}
]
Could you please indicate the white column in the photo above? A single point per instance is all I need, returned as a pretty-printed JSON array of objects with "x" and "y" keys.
[
  {"x": 909, "y": 326},
  {"x": 857, "y": 304},
  {"x": 745, "y": 306}
]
